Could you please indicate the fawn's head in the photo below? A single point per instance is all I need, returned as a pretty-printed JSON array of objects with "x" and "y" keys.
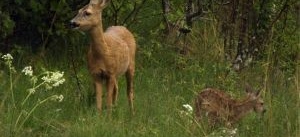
[
  {"x": 89, "y": 16},
  {"x": 255, "y": 97}
]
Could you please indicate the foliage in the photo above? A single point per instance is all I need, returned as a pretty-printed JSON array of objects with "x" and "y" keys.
[
  {"x": 6, "y": 25},
  {"x": 165, "y": 78},
  {"x": 24, "y": 108},
  {"x": 34, "y": 22}
]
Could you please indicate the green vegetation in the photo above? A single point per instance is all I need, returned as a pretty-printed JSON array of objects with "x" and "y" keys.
[{"x": 165, "y": 79}]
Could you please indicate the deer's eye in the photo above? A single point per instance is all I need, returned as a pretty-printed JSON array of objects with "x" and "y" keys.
[
  {"x": 261, "y": 103},
  {"x": 87, "y": 13}
]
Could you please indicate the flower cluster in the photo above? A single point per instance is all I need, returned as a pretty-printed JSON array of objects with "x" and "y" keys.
[
  {"x": 224, "y": 132},
  {"x": 188, "y": 108},
  {"x": 7, "y": 57},
  {"x": 28, "y": 71},
  {"x": 187, "y": 113},
  {"x": 53, "y": 79},
  {"x": 31, "y": 90},
  {"x": 47, "y": 79},
  {"x": 58, "y": 98}
]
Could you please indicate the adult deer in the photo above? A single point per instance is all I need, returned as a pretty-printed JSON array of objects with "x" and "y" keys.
[
  {"x": 111, "y": 53},
  {"x": 220, "y": 107}
]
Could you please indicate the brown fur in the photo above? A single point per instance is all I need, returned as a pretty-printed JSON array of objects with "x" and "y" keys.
[
  {"x": 111, "y": 53},
  {"x": 219, "y": 107}
]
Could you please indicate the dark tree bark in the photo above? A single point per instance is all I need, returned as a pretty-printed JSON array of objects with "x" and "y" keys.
[
  {"x": 192, "y": 12},
  {"x": 243, "y": 53},
  {"x": 166, "y": 8}
]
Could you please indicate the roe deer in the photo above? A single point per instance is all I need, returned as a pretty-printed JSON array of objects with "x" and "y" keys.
[
  {"x": 111, "y": 53},
  {"x": 220, "y": 107}
]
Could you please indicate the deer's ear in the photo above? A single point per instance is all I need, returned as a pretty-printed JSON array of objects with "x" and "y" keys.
[
  {"x": 248, "y": 88},
  {"x": 96, "y": 2},
  {"x": 103, "y": 3},
  {"x": 258, "y": 92}
]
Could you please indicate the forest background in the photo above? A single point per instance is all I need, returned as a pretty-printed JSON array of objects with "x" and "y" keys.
[{"x": 183, "y": 46}]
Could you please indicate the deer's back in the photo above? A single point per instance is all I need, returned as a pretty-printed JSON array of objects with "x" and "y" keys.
[
  {"x": 215, "y": 96},
  {"x": 122, "y": 34},
  {"x": 213, "y": 101}
]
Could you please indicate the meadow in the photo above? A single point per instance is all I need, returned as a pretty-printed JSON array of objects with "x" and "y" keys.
[
  {"x": 182, "y": 48},
  {"x": 32, "y": 105}
]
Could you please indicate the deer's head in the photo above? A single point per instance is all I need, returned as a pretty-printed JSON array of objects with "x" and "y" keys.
[
  {"x": 89, "y": 16},
  {"x": 255, "y": 97}
]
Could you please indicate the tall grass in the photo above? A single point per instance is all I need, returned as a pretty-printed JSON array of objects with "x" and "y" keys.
[{"x": 164, "y": 82}]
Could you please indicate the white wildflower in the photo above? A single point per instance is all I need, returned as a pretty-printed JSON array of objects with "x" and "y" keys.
[
  {"x": 233, "y": 131},
  {"x": 54, "y": 79},
  {"x": 57, "y": 110},
  {"x": 28, "y": 71},
  {"x": 58, "y": 98},
  {"x": 188, "y": 108},
  {"x": 31, "y": 91},
  {"x": 61, "y": 81},
  {"x": 7, "y": 57},
  {"x": 46, "y": 79}
]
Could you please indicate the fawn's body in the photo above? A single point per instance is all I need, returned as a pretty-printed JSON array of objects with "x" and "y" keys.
[
  {"x": 111, "y": 53},
  {"x": 219, "y": 107}
]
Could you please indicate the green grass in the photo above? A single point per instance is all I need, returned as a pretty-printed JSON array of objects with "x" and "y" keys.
[{"x": 164, "y": 82}]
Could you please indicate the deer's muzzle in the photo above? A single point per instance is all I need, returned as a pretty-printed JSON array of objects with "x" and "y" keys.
[{"x": 74, "y": 25}]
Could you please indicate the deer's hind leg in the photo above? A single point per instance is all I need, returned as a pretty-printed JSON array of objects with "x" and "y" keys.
[
  {"x": 130, "y": 92},
  {"x": 115, "y": 93}
]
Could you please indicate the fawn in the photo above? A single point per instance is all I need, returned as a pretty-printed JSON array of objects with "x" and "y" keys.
[
  {"x": 219, "y": 107},
  {"x": 111, "y": 53}
]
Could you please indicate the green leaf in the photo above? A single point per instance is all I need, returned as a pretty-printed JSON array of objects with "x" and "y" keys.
[{"x": 33, "y": 5}]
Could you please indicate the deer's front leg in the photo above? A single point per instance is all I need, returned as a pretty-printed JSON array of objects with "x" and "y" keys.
[
  {"x": 98, "y": 87},
  {"x": 111, "y": 82}
]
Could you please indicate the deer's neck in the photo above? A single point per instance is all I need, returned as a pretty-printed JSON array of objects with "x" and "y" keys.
[
  {"x": 243, "y": 108},
  {"x": 98, "y": 43}
]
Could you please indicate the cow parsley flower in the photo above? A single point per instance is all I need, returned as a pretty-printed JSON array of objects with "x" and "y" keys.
[
  {"x": 53, "y": 79},
  {"x": 31, "y": 91},
  {"x": 188, "y": 108},
  {"x": 28, "y": 71},
  {"x": 58, "y": 98},
  {"x": 233, "y": 131},
  {"x": 7, "y": 57},
  {"x": 59, "y": 82}
]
